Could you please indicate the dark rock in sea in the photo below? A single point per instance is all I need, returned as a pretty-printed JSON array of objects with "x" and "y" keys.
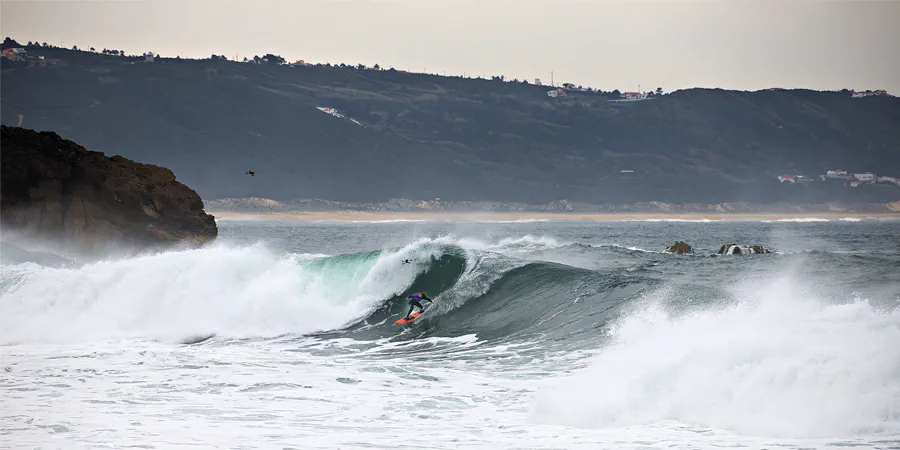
[
  {"x": 54, "y": 189},
  {"x": 734, "y": 249},
  {"x": 680, "y": 248}
]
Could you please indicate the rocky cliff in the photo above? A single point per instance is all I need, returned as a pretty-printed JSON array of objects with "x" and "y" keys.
[{"x": 54, "y": 189}]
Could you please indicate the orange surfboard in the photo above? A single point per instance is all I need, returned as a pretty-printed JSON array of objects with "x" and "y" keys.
[
  {"x": 415, "y": 315},
  {"x": 412, "y": 317}
]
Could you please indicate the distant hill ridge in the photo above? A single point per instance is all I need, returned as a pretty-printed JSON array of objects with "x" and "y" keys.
[{"x": 372, "y": 135}]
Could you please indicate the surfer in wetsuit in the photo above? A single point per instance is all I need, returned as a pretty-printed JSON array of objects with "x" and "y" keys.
[{"x": 414, "y": 303}]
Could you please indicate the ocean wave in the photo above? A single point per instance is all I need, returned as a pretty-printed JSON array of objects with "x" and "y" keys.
[
  {"x": 626, "y": 247},
  {"x": 677, "y": 220},
  {"x": 245, "y": 291},
  {"x": 219, "y": 290},
  {"x": 801, "y": 220},
  {"x": 383, "y": 221},
  {"x": 776, "y": 364}
]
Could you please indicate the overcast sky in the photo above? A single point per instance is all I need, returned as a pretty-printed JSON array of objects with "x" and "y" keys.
[{"x": 601, "y": 43}]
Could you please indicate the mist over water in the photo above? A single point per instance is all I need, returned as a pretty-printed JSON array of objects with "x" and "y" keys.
[{"x": 543, "y": 335}]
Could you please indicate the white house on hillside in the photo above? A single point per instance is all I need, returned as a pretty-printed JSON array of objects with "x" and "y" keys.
[
  {"x": 556, "y": 93},
  {"x": 867, "y": 93},
  {"x": 867, "y": 177},
  {"x": 633, "y": 96}
]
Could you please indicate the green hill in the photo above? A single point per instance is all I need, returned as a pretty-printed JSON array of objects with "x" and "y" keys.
[{"x": 425, "y": 136}]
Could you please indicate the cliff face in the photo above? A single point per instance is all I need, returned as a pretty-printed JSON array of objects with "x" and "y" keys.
[
  {"x": 53, "y": 188},
  {"x": 401, "y": 135}
]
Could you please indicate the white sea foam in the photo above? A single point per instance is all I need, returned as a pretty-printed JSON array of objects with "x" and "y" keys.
[
  {"x": 800, "y": 220},
  {"x": 245, "y": 291},
  {"x": 778, "y": 364}
]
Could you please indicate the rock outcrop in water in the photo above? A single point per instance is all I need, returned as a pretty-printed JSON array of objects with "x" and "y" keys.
[
  {"x": 680, "y": 248},
  {"x": 734, "y": 249},
  {"x": 55, "y": 189}
]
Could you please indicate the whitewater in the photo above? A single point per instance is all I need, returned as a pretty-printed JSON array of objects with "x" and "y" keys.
[{"x": 544, "y": 335}]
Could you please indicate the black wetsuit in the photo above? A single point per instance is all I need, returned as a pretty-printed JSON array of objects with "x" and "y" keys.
[{"x": 414, "y": 303}]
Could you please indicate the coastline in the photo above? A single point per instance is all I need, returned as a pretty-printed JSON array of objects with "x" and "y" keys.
[{"x": 481, "y": 216}]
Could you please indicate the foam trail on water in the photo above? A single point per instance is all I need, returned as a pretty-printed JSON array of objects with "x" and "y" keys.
[{"x": 776, "y": 365}]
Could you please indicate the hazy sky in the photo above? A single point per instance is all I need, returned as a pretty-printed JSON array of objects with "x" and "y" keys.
[{"x": 601, "y": 43}]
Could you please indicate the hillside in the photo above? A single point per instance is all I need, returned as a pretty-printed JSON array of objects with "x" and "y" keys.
[{"x": 423, "y": 136}]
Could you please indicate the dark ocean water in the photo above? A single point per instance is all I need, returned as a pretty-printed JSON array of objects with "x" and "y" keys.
[{"x": 543, "y": 335}]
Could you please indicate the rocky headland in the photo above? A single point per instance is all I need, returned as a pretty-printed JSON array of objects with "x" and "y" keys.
[{"x": 55, "y": 190}]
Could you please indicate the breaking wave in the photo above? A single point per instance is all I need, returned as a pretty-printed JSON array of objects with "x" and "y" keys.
[
  {"x": 766, "y": 359},
  {"x": 776, "y": 363}
]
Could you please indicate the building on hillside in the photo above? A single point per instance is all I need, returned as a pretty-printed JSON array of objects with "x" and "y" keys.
[
  {"x": 867, "y": 93},
  {"x": 44, "y": 62},
  {"x": 837, "y": 173},
  {"x": 149, "y": 57},
  {"x": 14, "y": 54},
  {"x": 537, "y": 82},
  {"x": 866, "y": 177},
  {"x": 787, "y": 179},
  {"x": 627, "y": 171},
  {"x": 854, "y": 184},
  {"x": 633, "y": 96},
  {"x": 553, "y": 93},
  {"x": 887, "y": 180}
]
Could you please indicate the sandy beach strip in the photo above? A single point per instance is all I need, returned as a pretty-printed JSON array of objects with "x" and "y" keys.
[{"x": 480, "y": 216}]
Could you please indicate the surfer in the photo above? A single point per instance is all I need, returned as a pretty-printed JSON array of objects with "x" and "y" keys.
[{"x": 414, "y": 303}]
